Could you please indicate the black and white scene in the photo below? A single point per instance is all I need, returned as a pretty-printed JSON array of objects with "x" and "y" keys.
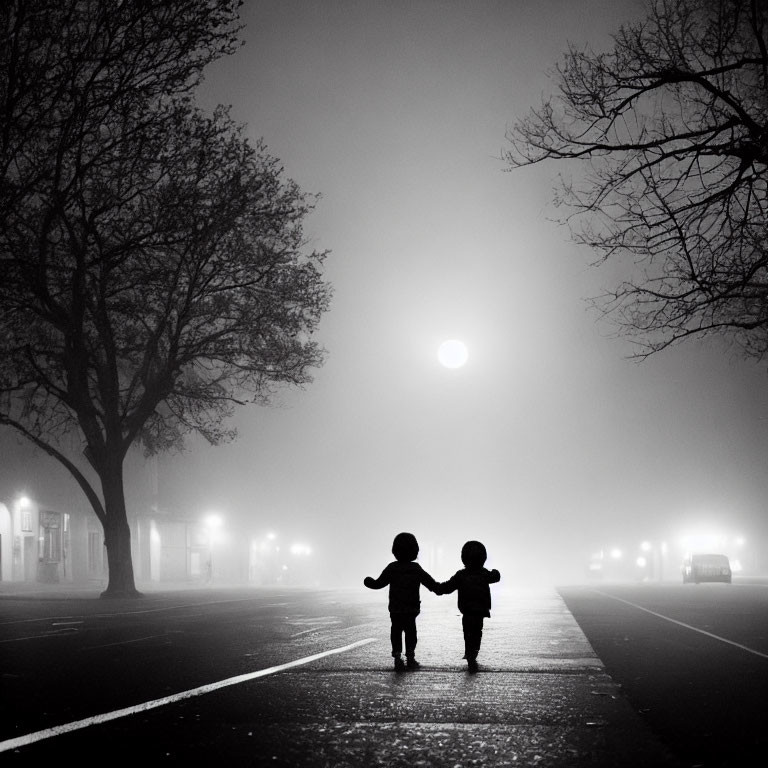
[{"x": 384, "y": 383}]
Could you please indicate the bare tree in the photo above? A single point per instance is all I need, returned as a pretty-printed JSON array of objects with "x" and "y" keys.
[
  {"x": 154, "y": 270},
  {"x": 670, "y": 129}
]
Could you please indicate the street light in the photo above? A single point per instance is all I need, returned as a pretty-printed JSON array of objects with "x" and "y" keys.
[{"x": 213, "y": 522}]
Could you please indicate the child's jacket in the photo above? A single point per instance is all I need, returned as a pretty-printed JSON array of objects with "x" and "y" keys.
[
  {"x": 472, "y": 585},
  {"x": 404, "y": 580}
]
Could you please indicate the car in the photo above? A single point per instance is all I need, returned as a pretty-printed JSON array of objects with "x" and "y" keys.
[{"x": 706, "y": 567}]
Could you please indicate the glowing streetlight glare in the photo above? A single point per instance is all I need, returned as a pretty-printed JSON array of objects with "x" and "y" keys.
[
  {"x": 24, "y": 501},
  {"x": 452, "y": 353},
  {"x": 213, "y": 522},
  {"x": 616, "y": 553}
]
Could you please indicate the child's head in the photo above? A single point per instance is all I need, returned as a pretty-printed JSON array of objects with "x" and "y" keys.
[
  {"x": 405, "y": 547},
  {"x": 473, "y": 554}
]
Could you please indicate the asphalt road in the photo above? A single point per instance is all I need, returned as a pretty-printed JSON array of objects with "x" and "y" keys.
[
  {"x": 304, "y": 678},
  {"x": 692, "y": 659},
  {"x": 67, "y": 660}
]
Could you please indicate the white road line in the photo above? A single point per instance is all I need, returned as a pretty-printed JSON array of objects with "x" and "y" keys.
[
  {"x": 304, "y": 632},
  {"x": 33, "y": 621},
  {"x": 63, "y": 632},
  {"x": 127, "y": 642},
  {"x": 143, "y": 611},
  {"x": 683, "y": 624},
  {"x": 58, "y": 730}
]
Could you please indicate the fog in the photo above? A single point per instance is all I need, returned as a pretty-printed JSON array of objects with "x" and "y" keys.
[{"x": 549, "y": 443}]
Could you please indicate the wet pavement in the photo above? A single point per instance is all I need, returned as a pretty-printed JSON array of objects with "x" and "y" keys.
[{"x": 541, "y": 697}]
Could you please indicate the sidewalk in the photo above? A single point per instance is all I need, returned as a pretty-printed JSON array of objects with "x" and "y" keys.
[{"x": 540, "y": 698}]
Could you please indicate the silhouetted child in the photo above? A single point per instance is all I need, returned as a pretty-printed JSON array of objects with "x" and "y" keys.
[
  {"x": 404, "y": 578},
  {"x": 474, "y": 596}
]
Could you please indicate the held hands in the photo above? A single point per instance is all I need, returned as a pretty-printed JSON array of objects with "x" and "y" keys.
[{"x": 368, "y": 581}]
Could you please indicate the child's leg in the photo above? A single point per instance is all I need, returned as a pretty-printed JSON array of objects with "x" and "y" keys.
[
  {"x": 479, "y": 635},
  {"x": 411, "y": 638},
  {"x": 472, "y": 625},
  {"x": 396, "y": 635}
]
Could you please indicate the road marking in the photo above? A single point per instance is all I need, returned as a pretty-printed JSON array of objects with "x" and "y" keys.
[
  {"x": 160, "y": 608},
  {"x": 64, "y": 631},
  {"x": 683, "y": 624},
  {"x": 58, "y": 730},
  {"x": 143, "y": 611},
  {"x": 32, "y": 621},
  {"x": 304, "y": 632},
  {"x": 135, "y": 640}
]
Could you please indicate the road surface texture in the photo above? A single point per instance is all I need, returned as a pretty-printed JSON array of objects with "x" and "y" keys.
[
  {"x": 692, "y": 660},
  {"x": 540, "y": 698}
]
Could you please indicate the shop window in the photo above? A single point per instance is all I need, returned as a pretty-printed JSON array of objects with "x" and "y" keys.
[
  {"x": 52, "y": 545},
  {"x": 51, "y": 524}
]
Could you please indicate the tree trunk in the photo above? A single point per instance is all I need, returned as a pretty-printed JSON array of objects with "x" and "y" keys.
[{"x": 117, "y": 535}]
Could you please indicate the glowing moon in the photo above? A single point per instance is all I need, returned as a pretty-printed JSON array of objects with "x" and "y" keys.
[{"x": 452, "y": 353}]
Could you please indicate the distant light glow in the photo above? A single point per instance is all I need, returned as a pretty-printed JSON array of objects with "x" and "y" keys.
[
  {"x": 703, "y": 540},
  {"x": 213, "y": 522},
  {"x": 452, "y": 353},
  {"x": 300, "y": 549},
  {"x": 616, "y": 553}
]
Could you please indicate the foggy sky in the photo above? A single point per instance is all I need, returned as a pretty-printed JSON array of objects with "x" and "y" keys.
[{"x": 549, "y": 442}]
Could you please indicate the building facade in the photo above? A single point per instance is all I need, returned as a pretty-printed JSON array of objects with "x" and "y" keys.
[
  {"x": 46, "y": 544},
  {"x": 40, "y": 543}
]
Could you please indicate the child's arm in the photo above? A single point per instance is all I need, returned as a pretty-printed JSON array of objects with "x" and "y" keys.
[
  {"x": 493, "y": 576},
  {"x": 430, "y": 583},
  {"x": 446, "y": 587},
  {"x": 379, "y": 583}
]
